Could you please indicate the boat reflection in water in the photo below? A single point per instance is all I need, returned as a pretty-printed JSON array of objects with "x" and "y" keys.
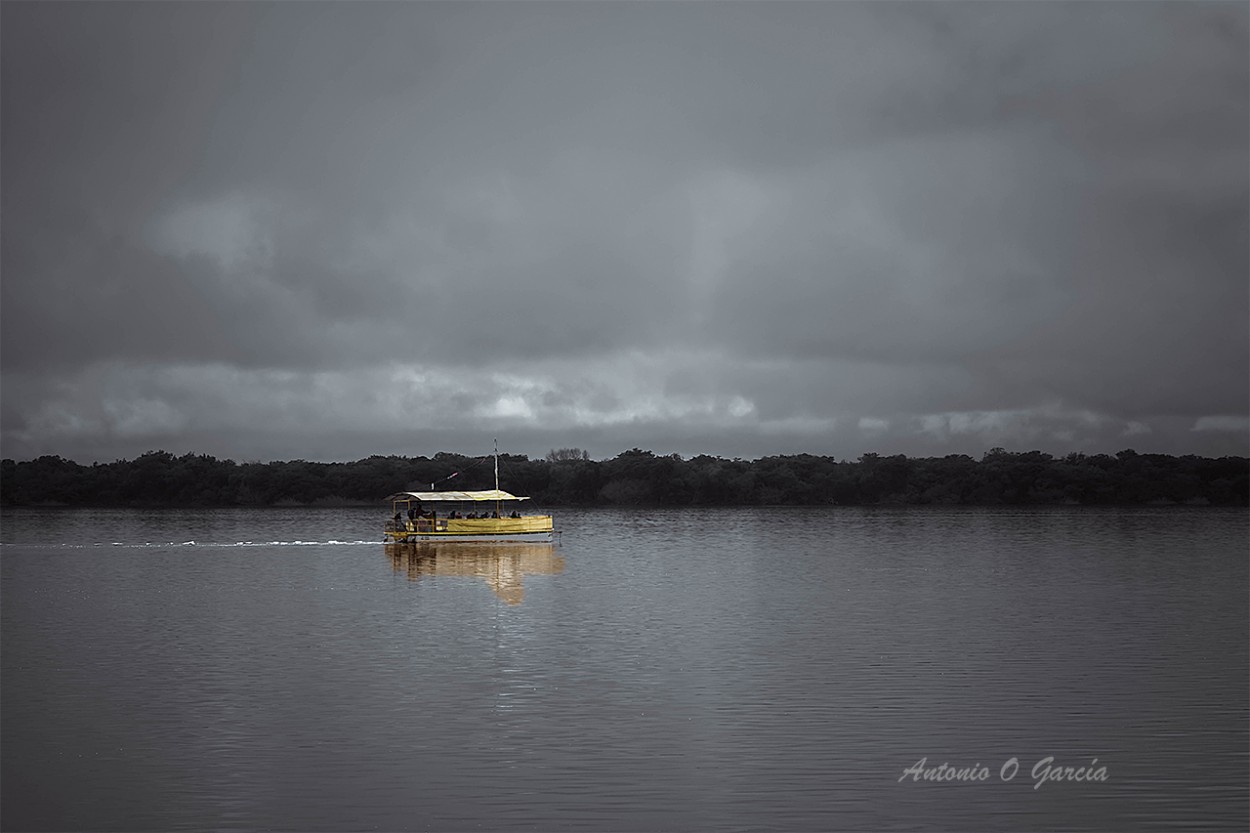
[{"x": 502, "y": 567}]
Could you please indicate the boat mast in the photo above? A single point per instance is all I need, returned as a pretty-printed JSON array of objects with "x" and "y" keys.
[{"x": 496, "y": 475}]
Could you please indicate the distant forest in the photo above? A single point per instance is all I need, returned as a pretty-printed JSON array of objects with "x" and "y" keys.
[{"x": 567, "y": 477}]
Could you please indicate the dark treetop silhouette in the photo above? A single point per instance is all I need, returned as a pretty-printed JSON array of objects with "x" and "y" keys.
[{"x": 638, "y": 477}]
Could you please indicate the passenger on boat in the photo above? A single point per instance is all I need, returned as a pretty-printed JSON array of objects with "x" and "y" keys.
[{"x": 472, "y": 515}]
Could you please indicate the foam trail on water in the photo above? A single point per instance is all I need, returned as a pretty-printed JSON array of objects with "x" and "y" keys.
[{"x": 196, "y": 544}]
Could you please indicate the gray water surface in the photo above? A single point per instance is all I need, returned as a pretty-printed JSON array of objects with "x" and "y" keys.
[{"x": 759, "y": 669}]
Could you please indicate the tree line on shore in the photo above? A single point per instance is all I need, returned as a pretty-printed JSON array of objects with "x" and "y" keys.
[{"x": 568, "y": 477}]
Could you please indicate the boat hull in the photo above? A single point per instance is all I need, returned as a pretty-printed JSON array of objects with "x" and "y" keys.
[
  {"x": 405, "y": 537},
  {"x": 527, "y": 529}
]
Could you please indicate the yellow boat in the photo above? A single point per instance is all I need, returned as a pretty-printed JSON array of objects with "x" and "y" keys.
[{"x": 485, "y": 516}]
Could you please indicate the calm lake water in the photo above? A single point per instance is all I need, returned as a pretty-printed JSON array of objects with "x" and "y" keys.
[{"x": 657, "y": 670}]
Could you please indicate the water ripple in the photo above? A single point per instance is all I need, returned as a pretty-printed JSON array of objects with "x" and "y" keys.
[{"x": 729, "y": 670}]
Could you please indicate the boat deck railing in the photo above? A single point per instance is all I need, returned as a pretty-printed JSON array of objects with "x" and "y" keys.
[{"x": 523, "y": 523}]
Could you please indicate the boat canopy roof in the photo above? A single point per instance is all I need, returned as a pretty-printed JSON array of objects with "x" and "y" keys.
[{"x": 434, "y": 497}]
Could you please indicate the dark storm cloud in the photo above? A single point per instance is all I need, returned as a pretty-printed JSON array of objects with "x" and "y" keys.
[{"x": 736, "y": 228}]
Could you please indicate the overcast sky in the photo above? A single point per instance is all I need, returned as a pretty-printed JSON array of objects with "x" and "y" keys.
[{"x": 327, "y": 230}]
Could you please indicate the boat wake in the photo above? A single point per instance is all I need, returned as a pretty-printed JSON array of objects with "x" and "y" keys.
[{"x": 201, "y": 544}]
